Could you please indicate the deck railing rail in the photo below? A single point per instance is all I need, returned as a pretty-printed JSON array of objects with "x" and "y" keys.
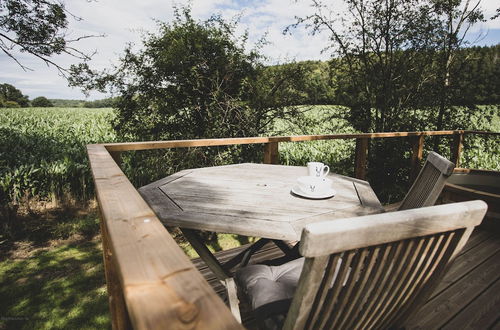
[{"x": 151, "y": 282}]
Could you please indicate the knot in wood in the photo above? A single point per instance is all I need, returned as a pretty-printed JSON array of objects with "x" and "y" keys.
[{"x": 187, "y": 312}]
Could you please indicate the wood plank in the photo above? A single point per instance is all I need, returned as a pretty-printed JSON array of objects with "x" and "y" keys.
[
  {"x": 468, "y": 262},
  {"x": 235, "y": 225},
  {"x": 148, "y": 145},
  {"x": 361, "y": 155},
  {"x": 271, "y": 153},
  {"x": 161, "y": 287},
  {"x": 456, "y": 148},
  {"x": 437, "y": 312},
  {"x": 353, "y": 233},
  {"x": 367, "y": 196},
  {"x": 309, "y": 282},
  {"x": 481, "y": 313},
  {"x": 416, "y": 156},
  {"x": 478, "y": 236}
]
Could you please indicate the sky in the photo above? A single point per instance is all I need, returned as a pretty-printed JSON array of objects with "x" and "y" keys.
[{"x": 123, "y": 21}]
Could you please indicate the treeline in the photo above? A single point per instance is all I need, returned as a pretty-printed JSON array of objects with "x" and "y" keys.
[
  {"x": 103, "y": 103},
  {"x": 11, "y": 97},
  {"x": 476, "y": 79}
]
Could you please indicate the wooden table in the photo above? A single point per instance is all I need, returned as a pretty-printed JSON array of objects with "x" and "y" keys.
[{"x": 250, "y": 200}]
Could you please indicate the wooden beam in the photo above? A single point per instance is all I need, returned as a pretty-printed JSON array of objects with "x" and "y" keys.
[
  {"x": 360, "y": 158},
  {"x": 271, "y": 153},
  {"x": 356, "y": 232},
  {"x": 254, "y": 140},
  {"x": 416, "y": 155},
  {"x": 161, "y": 287},
  {"x": 117, "y": 307},
  {"x": 456, "y": 148},
  {"x": 117, "y": 157}
]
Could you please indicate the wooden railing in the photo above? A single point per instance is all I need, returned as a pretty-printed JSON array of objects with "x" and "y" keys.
[{"x": 151, "y": 282}]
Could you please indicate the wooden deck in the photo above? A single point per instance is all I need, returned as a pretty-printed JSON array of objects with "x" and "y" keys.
[{"x": 467, "y": 298}]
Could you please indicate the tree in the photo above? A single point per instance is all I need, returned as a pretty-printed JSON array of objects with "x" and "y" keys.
[
  {"x": 456, "y": 19},
  {"x": 37, "y": 27},
  {"x": 380, "y": 49},
  {"x": 13, "y": 95},
  {"x": 41, "y": 102},
  {"x": 192, "y": 79},
  {"x": 392, "y": 59}
]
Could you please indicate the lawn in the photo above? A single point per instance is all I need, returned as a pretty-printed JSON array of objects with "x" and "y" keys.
[{"x": 55, "y": 288}]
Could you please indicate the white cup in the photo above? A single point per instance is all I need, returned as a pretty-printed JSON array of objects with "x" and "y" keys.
[
  {"x": 317, "y": 169},
  {"x": 314, "y": 186}
]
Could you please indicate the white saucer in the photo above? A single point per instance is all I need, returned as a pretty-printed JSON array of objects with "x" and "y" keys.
[{"x": 327, "y": 194}]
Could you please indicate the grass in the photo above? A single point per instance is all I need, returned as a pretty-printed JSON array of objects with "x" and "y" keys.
[{"x": 61, "y": 288}]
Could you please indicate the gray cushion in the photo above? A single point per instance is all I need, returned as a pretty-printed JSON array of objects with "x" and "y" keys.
[{"x": 270, "y": 289}]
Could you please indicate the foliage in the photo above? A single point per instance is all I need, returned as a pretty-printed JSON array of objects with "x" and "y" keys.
[
  {"x": 41, "y": 102},
  {"x": 64, "y": 103},
  {"x": 104, "y": 103},
  {"x": 312, "y": 83},
  {"x": 477, "y": 76},
  {"x": 338, "y": 154},
  {"x": 192, "y": 79},
  {"x": 43, "y": 155},
  {"x": 39, "y": 28},
  {"x": 14, "y": 95},
  {"x": 395, "y": 62}
]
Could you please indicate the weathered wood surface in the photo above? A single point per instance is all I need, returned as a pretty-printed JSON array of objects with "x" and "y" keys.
[
  {"x": 481, "y": 311},
  {"x": 456, "y": 148},
  {"x": 419, "y": 245},
  {"x": 361, "y": 156},
  {"x": 271, "y": 153},
  {"x": 161, "y": 287},
  {"x": 429, "y": 183},
  {"x": 249, "y": 199},
  {"x": 254, "y": 140},
  {"x": 352, "y": 233},
  {"x": 416, "y": 155}
]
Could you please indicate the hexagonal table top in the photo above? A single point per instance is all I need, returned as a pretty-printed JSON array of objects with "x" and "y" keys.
[{"x": 253, "y": 200}]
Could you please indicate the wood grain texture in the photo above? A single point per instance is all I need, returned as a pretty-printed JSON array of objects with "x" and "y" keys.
[
  {"x": 429, "y": 183},
  {"x": 389, "y": 288},
  {"x": 442, "y": 308},
  {"x": 481, "y": 235},
  {"x": 161, "y": 287},
  {"x": 271, "y": 153},
  {"x": 416, "y": 155},
  {"x": 361, "y": 155},
  {"x": 456, "y": 148},
  {"x": 352, "y": 233},
  {"x": 252, "y": 200},
  {"x": 148, "y": 145}
]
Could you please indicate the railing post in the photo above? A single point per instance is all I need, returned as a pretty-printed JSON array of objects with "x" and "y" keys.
[
  {"x": 360, "y": 158},
  {"x": 416, "y": 155},
  {"x": 271, "y": 154},
  {"x": 456, "y": 148},
  {"x": 117, "y": 157}
]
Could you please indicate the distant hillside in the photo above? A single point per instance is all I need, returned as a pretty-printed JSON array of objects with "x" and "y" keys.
[
  {"x": 104, "y": 103},
  {"x": 61, "y": 103}
]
